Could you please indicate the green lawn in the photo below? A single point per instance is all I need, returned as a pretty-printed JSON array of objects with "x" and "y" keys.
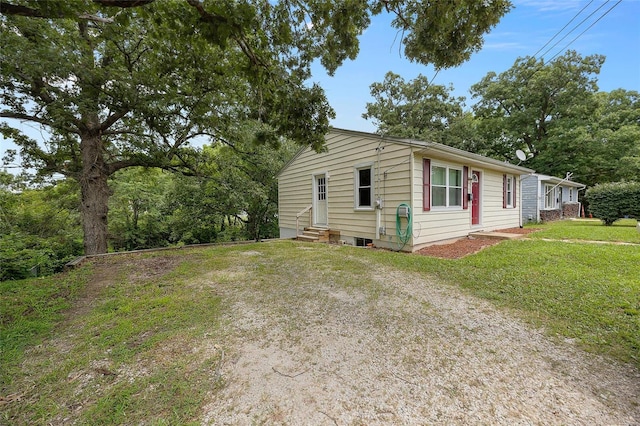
[
  {"x": 624, "y": 230},
  {"x": 157, "y": 309},
  {"x": 587, "y": 292},
  {"x": 146, "y": 316}
]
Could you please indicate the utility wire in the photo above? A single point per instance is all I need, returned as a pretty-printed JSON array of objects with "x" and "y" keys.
[
  {"x": 566, "y": 25},
  {"x": 541, "y": 66},
  {"x": 579, "y": 35},
  {"x": 573, "y": 29}
]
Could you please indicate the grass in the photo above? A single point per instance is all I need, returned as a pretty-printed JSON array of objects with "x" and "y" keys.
[
  {"x": 623, "y": 230},
  {"x": 138, "y": 348},
  {"x": 29, "y": 310},
  {"x": 583, "y": 291},
  {"x": 136, "y": 356}
]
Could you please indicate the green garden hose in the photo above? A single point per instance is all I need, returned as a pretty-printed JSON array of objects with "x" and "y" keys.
[{"x": 403, "y": 235}]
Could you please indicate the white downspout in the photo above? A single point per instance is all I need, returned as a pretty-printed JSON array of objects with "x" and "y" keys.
[
  {"x": 539, "y": 199},
  {"x": 378, "y": 201},
  {"x": 520, "y": 224},
  {"x": 412, "y": 192}
]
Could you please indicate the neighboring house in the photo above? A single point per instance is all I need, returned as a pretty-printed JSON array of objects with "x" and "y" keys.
[
  {"x": 362, "y": 185},
  {"x": 546, "y": 198}
]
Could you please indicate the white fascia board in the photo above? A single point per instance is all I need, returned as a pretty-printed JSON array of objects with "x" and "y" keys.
[{"x": 445, "y": 150}]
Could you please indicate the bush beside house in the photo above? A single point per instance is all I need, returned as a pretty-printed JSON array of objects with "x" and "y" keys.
[{"x": 615, "y": 200}]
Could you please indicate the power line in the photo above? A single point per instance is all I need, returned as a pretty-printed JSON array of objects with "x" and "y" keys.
[
  {"x": 540, "y": 66},
  {"x": 574, "y": 28},
  {"x": 566, "y": 25},
  {"x": 579, "y": 35}
]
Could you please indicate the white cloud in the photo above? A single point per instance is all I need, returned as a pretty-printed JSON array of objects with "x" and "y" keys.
[
  {"x": 549, "y": 5},
  {"x": 507, "y": 45}
]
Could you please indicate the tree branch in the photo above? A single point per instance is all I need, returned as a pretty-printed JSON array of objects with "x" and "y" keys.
[
  {"x": 14, "y": 9},
  {"x": 237, "y": 35},
  {"x": 96, "y": 18},
  {"x": 26, "y": 117},
  {"x": 112, "y": 119},
  {"x": 19, "y": 10},
  {"x": 123, "y": 3}
]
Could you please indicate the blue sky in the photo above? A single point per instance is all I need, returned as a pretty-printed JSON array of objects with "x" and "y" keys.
[{"x": 522, "y": 32}]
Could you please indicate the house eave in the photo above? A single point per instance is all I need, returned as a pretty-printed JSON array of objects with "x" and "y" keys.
[
  {"x": 451, "y": 152},
  {"x": 425, "y": 147},
  {"x": 560, "y": 181}
]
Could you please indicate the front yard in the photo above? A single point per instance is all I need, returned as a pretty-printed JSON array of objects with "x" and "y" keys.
[
  {"x": 572, "y": 286},
  {"x": 282, "y": 331},
  {"x": 623, "y": 230}
]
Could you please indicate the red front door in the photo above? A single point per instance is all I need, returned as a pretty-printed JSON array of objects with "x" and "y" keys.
[{"x": 475, "y": 200}]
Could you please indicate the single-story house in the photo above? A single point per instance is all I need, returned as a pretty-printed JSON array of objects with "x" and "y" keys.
[
  {"x": 396, "y": 193},
  {"x": 546, "y": 198}
]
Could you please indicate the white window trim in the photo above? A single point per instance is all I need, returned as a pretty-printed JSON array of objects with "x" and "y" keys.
[
  {"x": 356, "y": 186},
  {"x": 511, "y": 181},
  {"x": 554, "y": 194},
  {"x": 446, "y": 166}
]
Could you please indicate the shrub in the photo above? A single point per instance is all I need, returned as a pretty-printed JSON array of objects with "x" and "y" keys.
[{"x": 615, "y": 200}]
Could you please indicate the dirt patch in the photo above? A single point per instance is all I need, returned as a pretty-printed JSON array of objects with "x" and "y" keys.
[
  {"x": 108, "y": 269},
  {"x": 469, "y": 245},
  {"x": 403, "y": 351},
  {"x": 304, "y": 339}
]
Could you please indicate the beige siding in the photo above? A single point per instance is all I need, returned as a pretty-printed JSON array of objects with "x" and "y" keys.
[
  {"x": 442, "y": 224},
  {"x": 345, "y": 153},
  {"x": 494, "y": 215},
  {"x": 394, "y": 167}
]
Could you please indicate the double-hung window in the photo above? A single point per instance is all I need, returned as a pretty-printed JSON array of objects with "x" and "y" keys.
[
  {"x": 364, "y": 187},
  {"x": 550, "y": 197},
  {"x": 446, "y": 186},
  {"x": 509, "y": 191}
]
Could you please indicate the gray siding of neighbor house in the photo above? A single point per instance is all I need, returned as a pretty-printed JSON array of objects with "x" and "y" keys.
[{"x": 529, "y": 196}]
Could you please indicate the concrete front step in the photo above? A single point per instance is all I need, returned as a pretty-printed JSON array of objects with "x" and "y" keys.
[
  {"x": 308, "y": 238},
  {"x": 496, "y": 235},
  {"x": 314, "y": 234}
]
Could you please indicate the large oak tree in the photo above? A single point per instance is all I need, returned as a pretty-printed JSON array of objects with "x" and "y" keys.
[
  {"x": 116, "y": 84},
  {"x": 420, "y": 110},
  {"x": 554, "y": 111},
  {"x": 522, "y": 106}
]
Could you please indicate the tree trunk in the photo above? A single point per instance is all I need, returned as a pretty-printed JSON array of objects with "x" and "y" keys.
[{"x": 95, "y": 195}]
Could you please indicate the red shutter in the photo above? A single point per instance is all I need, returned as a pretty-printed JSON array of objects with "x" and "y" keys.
[
  {"x": 426, "y": 184},
  {"x": 504, "y": 191},
  {"x": 465, "y": 187}
]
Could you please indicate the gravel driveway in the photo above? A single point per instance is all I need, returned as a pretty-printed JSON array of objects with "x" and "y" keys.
[{"x": 403, "y": 351}]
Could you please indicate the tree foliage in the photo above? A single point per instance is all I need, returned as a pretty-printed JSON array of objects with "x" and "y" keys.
[
  {"x": 552, "y": 111},
  {"x": 415, "y": 109},
  {"x": 522, "y": 107},
  {"x": 233, "y": 197},
  {"x": 39, "y": 228},
  {"x": 124, "y": 84},
  {"x": 614, "y": 200},
  {"x": 136, "y": 209}
]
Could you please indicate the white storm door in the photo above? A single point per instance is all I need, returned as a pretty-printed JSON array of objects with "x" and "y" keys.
[{"x": 320, "y": 200}]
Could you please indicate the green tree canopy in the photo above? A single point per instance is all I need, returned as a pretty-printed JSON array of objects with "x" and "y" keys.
[
  {"x": 414, "y": 109},
  {"x": 521, "y": 107},
  {"x": 552, "y": 110},
  {"x": 39, "y": 228},
  {"x": 120, "y": 84},
  {"x": 555, "y": 112}
]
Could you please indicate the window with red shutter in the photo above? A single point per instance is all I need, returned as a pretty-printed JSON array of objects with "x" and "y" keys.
[{"x": 426, "y": 184}]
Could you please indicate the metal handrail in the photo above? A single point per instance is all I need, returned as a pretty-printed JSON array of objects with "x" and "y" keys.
[{"x": 303, "y": 211}]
